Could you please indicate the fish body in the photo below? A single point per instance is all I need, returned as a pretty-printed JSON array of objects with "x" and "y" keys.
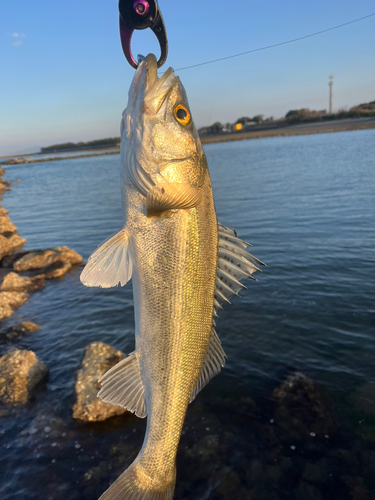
[{"x": 184, "y": 265}]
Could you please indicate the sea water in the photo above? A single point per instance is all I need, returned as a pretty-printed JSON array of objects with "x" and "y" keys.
[{"x": 307, "y": 205}]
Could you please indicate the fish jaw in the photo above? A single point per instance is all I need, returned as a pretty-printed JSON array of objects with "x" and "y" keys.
[{"x": 155, "y": 146}]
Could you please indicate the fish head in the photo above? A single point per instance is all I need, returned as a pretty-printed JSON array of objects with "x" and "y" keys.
[{"x": 159, "y": 141}]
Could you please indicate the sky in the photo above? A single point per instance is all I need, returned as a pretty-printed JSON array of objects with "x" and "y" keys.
[{"x": 64, "y": 78}]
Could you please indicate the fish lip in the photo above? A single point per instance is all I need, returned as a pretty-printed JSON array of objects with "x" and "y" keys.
[
  {"x": 148, "y": 70},
  {"x": 151, "y": 90}
]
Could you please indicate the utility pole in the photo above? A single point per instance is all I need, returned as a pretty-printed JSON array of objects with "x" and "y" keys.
[{"x": 330, "y": 93}]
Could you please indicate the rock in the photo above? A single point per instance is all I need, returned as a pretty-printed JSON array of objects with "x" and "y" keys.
[
  {"x": 302, "y": 409},
  {"x": 10, "y": 301},
  {"x": 29, "y": 326},
  {"x": 56, "y": 270},
  {"x": 98, "y": 358},
  {"x": 226, "y": 484},
  {"x": 306, "y": 491},
  {"x": 15, "y": 332},
  {"x": 10, "y": 243},
  {"x": 53, "y": 262},
  {"x": 2, "y": 171},
  {"x": 6, "y": 225},
  {"x": 9, "y": 260},
  {"x": 205, "y": 448},
  {"x": 20, "y": 372},
  {"x": 364, "y": 399},
  {"x": 14, "y": 282},
  {"x": 3, "y": 212},
  {"x": 313, "y": 472}
]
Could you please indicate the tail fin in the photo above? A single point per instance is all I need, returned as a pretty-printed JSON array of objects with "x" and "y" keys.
[{"x": 134, "y": 484}]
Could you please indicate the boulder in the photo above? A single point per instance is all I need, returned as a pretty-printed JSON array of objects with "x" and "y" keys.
[
  {"x": 17, "y": 331},
  {"x": 20, "y": 372},
  {"x": 53, "y": 262},
  {"x": 303, "y": 409},
  {"x": 10, "y": 243},
  {"x": 56, "y": 270},
  {"x": 363, "y": 399},
  {"x": 13, "y": 282},
  {"x": 98, "y": 358},
  {"x": 10, "y": 301},
  {"x": 6, "y": 225},
  {"x": 9, "y": 260}
]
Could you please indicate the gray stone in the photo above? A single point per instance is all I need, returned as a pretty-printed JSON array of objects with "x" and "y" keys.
[
  {"x": 306, "y": 491},
  {"x": 39, "y": 259},
  {"x": 226, "y": 483},
  {"x": 254, "y": 470},
  {"x": 10, "y": 243},
  {"x": 98, "y": 358},
  {"x": 6, "y": 225},
  {"x": 17, "y": 331},
  {"x": 20, "y": 372},
  {"x": 312, "y": 472},
  {"x": 10, "y": 301},
  {"x": 364, "y": 399},
  {"x": 302, "y": 409},
  {"x": 13, "y": 282}
]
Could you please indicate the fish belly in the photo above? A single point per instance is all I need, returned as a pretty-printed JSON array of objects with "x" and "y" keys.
[{"x": 175, "y": 259}]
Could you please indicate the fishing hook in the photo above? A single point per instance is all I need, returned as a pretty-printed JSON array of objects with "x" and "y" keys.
[{"x": 139, "y": 15}]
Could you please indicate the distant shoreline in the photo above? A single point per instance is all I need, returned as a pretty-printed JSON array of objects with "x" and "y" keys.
[{"x": 345, "y": 125}]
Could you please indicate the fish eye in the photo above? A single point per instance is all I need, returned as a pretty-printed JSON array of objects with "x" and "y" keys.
[{"x": 182, "y": 115}]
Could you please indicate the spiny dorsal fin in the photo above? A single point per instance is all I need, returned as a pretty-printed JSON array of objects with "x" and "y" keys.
[
  {"x": 110, "y": 264},
  {"x": 234, "y": 264},
  {"x": 168, "y": 196},
  {"x": 214, "y": 360},
  {"x": 123, "y": 386}
]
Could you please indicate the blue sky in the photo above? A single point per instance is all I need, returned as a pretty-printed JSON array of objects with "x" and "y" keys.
[{"x": 64, "y": 78}]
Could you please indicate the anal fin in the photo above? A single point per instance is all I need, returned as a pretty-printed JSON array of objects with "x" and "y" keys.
[
  {"x": 213, "y": 362},
  {"x": 110, "y": 264},
  {"x": 123, "y": 386}
]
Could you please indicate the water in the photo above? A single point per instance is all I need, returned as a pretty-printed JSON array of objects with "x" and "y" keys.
[{"x": 307, "y": 205}]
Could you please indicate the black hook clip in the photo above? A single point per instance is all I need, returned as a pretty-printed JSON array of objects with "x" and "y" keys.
[{"x": 139, "y": 15}]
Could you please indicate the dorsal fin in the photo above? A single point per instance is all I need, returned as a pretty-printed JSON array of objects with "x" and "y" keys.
[{"x": 234, "y": 264}]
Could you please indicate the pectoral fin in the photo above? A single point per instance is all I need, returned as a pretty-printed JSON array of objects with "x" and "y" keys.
[
  {"x": 164, "y": 197},
  {"x": 110, "y": 265},
  {"x": 123, "y": 386}
]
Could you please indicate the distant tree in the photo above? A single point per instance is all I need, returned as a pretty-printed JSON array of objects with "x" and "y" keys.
[
  {"x": 258, "y": 118},
  {"x": 243, "y": 120},
  {"x": 216, "y": 128},
  {"x": 304, "y": 114},
  {"x": 71, "y": 146}
]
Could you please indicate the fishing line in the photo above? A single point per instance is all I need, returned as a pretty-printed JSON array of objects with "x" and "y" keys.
[{"x": 277, "y": 44}]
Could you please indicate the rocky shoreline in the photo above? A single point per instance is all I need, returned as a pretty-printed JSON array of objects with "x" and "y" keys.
[{"x": 23, "y": 273}]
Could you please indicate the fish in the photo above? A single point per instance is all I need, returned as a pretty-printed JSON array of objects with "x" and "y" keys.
[{"x": 184, "y": 266}]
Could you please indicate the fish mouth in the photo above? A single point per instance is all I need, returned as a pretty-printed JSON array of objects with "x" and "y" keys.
[{"x": 153, "y": 90}]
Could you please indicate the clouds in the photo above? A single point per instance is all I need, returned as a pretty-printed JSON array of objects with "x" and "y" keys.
[{"x": 18, "y": 39}]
